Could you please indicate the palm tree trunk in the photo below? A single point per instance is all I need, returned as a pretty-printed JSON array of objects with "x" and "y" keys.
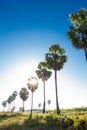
[
  {"x": 31, "y": 102},
  {"x": 57, "y": 104},
  {"x": 23, "y": 106},
  {"x": 49, "y": 107},
  {"x": 44, "y": 97}
]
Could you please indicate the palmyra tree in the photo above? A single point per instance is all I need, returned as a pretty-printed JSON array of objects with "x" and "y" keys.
[
  {"x": 39, "y": 105},
  {"x": 77, "y": 33},
  {"x": 44, "y": 75},
  {"x": 49, "y": 102},
  {"x": 55, "y": 59},
  {"x": 4, "y": 104},
  {"x": 24, "y": 94},
  {"x": 32, "y": 85},
  {"x": 9, "y": 101},
  {"x": 14, "y": 95}
]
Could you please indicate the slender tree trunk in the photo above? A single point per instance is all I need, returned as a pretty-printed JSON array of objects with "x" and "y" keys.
[
  {"x": 57, "y": 104},
  {"x": 31, "y": 102},
  {"x": 49, "y": 107},
  {"x": 44, "y": 97},
  {"x": 23, "y": 106}
]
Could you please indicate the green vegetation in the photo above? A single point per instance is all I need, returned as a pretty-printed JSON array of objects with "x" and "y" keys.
[
  {"x": 70, "y": 119},
  {"x": 77, "y": 33}
]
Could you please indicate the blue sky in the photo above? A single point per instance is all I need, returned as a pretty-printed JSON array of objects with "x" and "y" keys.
[{"x": 27, "y": 29}]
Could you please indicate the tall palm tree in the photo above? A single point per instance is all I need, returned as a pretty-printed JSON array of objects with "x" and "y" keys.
[
  {"x": 77, "y": 33},
  {"x": 32, "y": 85},
  {"x": 43, "y": 74},
  {"x": 24, "y": 94},
  {"x": 55, "y": 59}
]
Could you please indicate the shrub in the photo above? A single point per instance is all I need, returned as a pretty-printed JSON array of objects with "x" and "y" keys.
[{"x": 82, "y": 125}]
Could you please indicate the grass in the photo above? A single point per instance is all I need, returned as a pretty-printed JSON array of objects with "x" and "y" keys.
[{"x": 67, "y": 120}]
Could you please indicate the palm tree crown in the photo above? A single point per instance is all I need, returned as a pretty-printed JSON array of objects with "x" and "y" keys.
[
  {"x": 55, "y": 58},
  {"x": 24, "y": 94},
  {"x": 42, "y": 71},
  {"x": 33, "y": 83},
  {"x": 77, "y": 33}
]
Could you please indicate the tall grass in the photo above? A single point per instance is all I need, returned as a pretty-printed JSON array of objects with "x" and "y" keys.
[{"x": 67, "y": 120}]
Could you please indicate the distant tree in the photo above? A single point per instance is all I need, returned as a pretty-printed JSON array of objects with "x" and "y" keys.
[
  {"x": 9, "y": 101},
  {"x": 49, "y": 102},
  {"x": 14, "y": 94},
  {"x": 39, "y": 105},
  {"x": 32, "y": 85},
  {"x": 13, "y": 109},
  {"x": 77, "y": 33},
  {"x": 4, "y": 104},
  {"x": 43, "y": 74},
  {"x": 24, "y": 94},
  {"x": 55, "y": 59}
]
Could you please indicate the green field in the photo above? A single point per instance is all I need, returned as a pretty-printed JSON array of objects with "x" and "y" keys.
[{"x": 70, "y": 119}]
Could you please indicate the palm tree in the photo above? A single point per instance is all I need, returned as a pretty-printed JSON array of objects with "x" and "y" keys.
[
  {"x": 43, "y": 74},
  {"x": 9, "y": 101},
  {"x": 39, "y": 105},
  {"x": 4, "y": 104},
  {"x": 77, "y": 33},
  {"x": 49, "y": 102},
  {"x": 14, "y": 94},
  {"x": 32, "y": 85},
  {"x": 55, "y": 59},
  {"x": 24, "y": 94}
]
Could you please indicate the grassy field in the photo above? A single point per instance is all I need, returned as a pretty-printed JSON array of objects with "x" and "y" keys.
[{"x": 71, "y": 119}]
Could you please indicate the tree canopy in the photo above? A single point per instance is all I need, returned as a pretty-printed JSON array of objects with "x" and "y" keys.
[{"x": 77, "y": 32}]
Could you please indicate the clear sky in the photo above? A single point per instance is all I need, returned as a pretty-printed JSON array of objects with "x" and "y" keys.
[{"x": 27, "y": 29}]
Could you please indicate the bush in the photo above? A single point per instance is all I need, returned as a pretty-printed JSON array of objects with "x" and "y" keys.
[
  {"x": 82, "y": 125},
  {"x": 65, "y": 123}
]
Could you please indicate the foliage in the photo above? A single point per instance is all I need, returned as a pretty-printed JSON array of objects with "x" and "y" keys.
[
  {"x": 42, "y": 71},
  {"x": 24, "y": 94},
  {"x": 49, "y": 102},
  {"x": 56, "y": 57},
  {"x": 32, "y": 84},
  {"x": 67, "y": 120},
  {"x": 4, "y": 103},
  {"x": 39, "y": 105},
  {"x": 77, "y": 33}
]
